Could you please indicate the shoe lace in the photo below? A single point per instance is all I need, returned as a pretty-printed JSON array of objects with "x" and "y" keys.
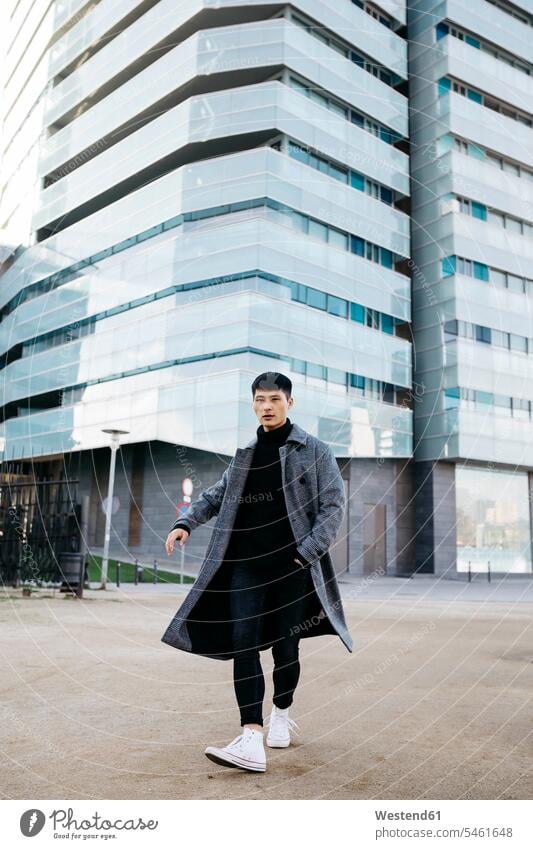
[
  {"x": 276, "y": 718},
  {"x": 293, "y": 725},
  {"x": 237, "y": 742}
]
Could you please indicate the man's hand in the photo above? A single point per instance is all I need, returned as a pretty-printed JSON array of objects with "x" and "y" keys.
[
  {"x": 179, "y": 534},
  {"x": 299, "y": 562}
]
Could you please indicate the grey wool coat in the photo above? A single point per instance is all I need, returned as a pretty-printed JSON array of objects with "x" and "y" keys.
[{"x": 315, "y": 499}]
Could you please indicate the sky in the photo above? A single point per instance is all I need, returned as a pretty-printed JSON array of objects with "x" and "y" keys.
[
  {"x": 3, "y": 33},
  {"x": 3, "y": 29}
]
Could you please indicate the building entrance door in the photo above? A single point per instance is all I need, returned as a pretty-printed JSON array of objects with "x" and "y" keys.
[{"x": 374, "y": 551}]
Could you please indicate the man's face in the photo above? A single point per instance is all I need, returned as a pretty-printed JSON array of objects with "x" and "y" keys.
[{"x": 270, "y": 407}]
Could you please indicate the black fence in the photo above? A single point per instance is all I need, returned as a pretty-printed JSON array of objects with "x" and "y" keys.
[{"x": 40, "y": 526}]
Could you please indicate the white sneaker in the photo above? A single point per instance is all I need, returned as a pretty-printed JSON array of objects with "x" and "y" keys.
[
  {"x": 246, "y": 751},
  {"x": 279, "y": 727}
]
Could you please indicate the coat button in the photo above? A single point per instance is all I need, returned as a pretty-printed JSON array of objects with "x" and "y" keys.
[
  {"x": 309, "y": 513},
  {"x": 302, "y": 480}
]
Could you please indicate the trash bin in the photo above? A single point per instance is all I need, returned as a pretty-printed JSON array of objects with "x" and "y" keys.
[{"x": 71, "y": 572}]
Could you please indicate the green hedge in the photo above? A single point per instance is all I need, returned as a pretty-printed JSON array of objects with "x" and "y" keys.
[{"x": 127, "y": 571}]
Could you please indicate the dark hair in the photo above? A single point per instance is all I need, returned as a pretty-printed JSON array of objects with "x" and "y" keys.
[{"x": 272, "y": 380}]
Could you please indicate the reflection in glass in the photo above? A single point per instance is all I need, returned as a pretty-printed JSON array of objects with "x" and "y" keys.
[{"x": 492, "y": 520}]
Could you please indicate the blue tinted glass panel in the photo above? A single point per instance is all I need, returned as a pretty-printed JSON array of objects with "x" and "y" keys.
[
  {"x": 315, "y": 370},
  {"x": 481, "y": 271},
  {"x": 298, "y": 365},
  {"x": 357, "y": 313},
  {"x": 335, "y": 375},
  {"x": 299, "y": 153},
  {"x": 357, "y": 181},
  {"x": 316, "y": 299},
  {"x": 386, "y": 258},
  {"x": 448, "y": 266},
  {"x": 451, "y": 398},
  {"x": 444, "y": 85},
  {"x": 337, "y": 306},
  {"x": 483, "y": 334},
  {"x": 357, "y": 245},
  {"x": 339, "y": 173},
  {"x": 387, "y": 323},
  {"x": 476, "y": 152},
  {"x": 357, "y": 381},
  {"x": 479, "y": 210}
]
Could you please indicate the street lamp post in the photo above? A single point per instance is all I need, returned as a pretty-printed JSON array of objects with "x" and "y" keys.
[{"x": 115, "y": 440}]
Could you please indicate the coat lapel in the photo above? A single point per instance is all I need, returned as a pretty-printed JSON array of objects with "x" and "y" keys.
[{"x": 239, "y": 471}]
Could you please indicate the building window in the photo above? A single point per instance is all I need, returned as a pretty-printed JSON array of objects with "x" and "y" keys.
[
  {"x": 357, "y": 381},
  {"x": 317, "y": 299},
  {"x": 318, "y": 230},
  {"x": 372, "y": 318},
  {"x": 335, "y": 375},
  {"x": 474, "y": 95},
  {"x": 452, "y": 398},
  {"x": 357, "y": 181},
  {"x": 338, "y": 173},
  {"x": 338, "y": 238},
  {"x": 448, "y": 266},
  {"x": 387, "y": 323},
  {"x": 481, "y": 271},
  {"x": 337, "y": 306},
  {"x": 357, "y": 313},
  {"x": 483, "y": 334},
  {"x": 493, "y": 522},
  {"x": 357, "y": 245},
  {"x": 299, "y": 153},
  {"x": 498, "y": 278},
  {"x": 518, "y": 343},
  {"x": 386, "y": 258},
  {"x": 515, "y": 284},
  {"x": 444, "y": 86},
  {"x": 316, "y": 370}
]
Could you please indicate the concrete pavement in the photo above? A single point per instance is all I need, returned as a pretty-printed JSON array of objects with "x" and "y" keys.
[{"x": 434, "y": 702}]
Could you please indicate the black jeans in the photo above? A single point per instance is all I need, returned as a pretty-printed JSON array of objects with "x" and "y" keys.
[{"x": 278, "y": 592}]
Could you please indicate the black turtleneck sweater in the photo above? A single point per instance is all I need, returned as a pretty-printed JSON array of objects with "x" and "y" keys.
[{"x": 262, "y": 534}]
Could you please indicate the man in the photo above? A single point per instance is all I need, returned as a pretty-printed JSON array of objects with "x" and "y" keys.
[{"x": 267, "y": 579}]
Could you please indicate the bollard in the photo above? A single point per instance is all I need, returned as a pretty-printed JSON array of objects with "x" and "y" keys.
[
  {"x": 488, "y": 572},
  {"x": 136, "y": 572},
  {"x": 469, "y": 572},
  {"x": 155, "y": 571},
  {"x": 117, "y": 578}
]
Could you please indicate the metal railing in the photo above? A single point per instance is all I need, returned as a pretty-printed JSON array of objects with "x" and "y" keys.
[{"x": 40, "y": 521}]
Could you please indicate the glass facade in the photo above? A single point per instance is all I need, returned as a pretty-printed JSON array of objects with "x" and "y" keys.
[
  {"x": 474, "y": 237},
  {"x": 209, "y": 205},
  {"x": 493, "y": 520},
  {"x": 280, "y": 245},
  {"x": 472, "y": 249}
]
